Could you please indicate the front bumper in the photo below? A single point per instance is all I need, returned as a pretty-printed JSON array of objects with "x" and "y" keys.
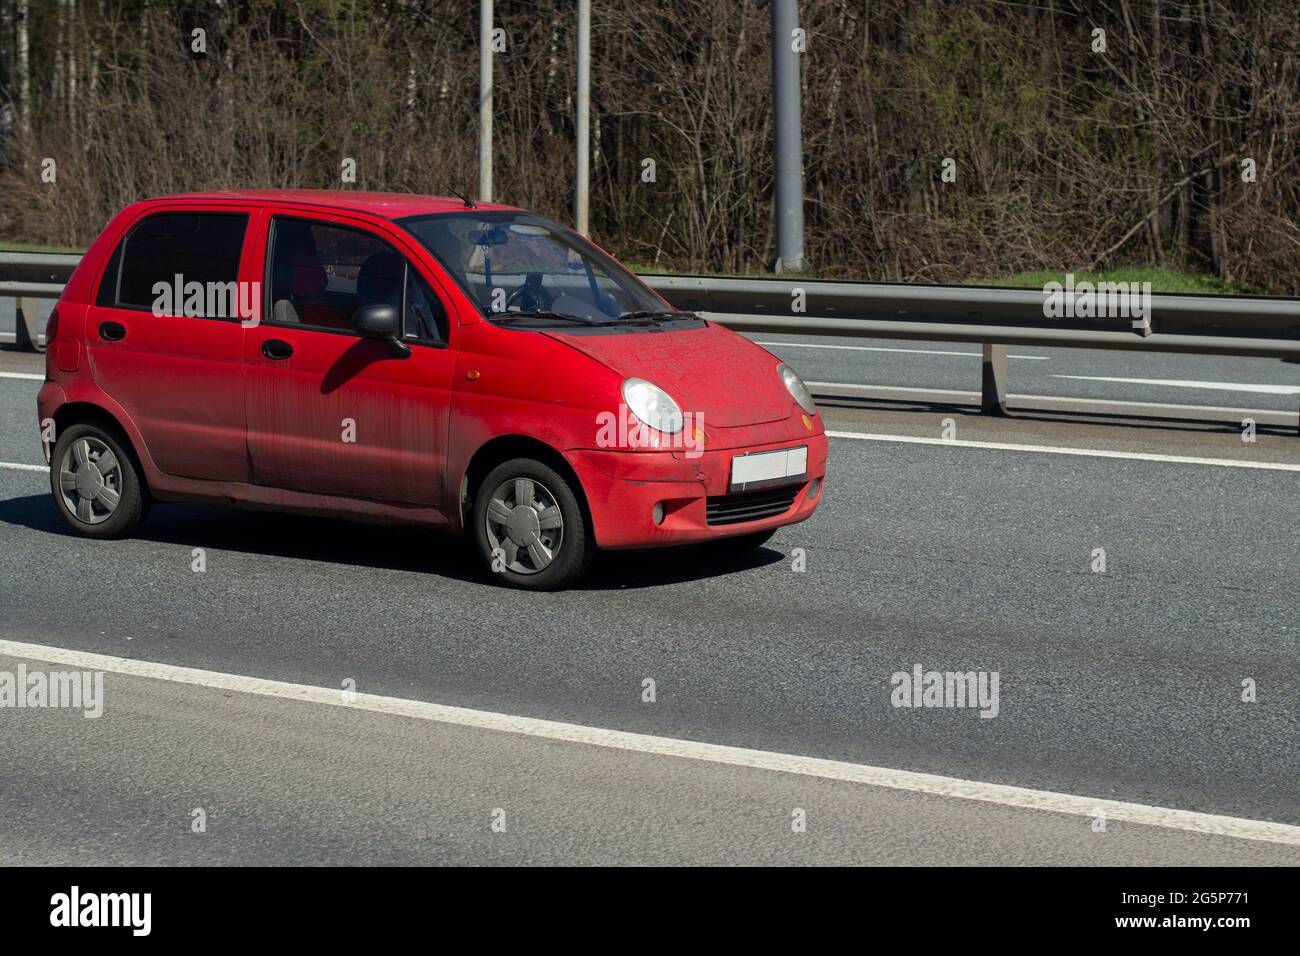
[{"x": 623, "y": 488}]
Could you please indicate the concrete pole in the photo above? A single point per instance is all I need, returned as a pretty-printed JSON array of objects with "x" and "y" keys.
[
  {"x": 787, "y": 138},
  {"x": 581, "y": 197},
  {"x": 27, "y": 325},
  {"x": 485, "y": 100}
]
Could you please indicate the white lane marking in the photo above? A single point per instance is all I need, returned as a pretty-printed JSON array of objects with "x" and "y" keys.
[
  {"x": 893, "y": 388},
  {"x": 1057, "y": 450},
  {"x": 1056, "y": 398},
  {"x": 876, "y": 348},
  {"x": 994, "y": 445},
  {"x": 1191, "y": 383},
  {"x": 931, "y": 784},
  {"x": 23, "y": 375}
]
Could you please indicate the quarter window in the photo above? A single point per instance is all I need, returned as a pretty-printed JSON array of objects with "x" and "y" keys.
[{"x": 107, "y": 295}]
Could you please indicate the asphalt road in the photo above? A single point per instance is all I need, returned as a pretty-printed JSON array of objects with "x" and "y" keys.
[
  {"x": 284, "y": 781},
  {"x": 1123, "y": 685}
]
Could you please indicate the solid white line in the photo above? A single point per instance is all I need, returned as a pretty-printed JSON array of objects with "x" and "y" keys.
[
  {"x": 877, "y": 348},
  {"x": 993, "y": 445},
  {"x": 24, "y": 375},
  {"x": 931, "y": 784},
  {"x": 1056, "y": 398},
  {"x": 1191, "y": 383},
  {"x": 1058, "y": 450}
]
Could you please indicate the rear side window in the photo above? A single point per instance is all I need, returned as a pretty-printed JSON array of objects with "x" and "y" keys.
[{"x": 201, "y": 247}]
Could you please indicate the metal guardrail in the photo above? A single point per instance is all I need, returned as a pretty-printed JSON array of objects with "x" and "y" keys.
[
  {"x": 1256, "y": 326},
  {"x": 29, "y": 276}
]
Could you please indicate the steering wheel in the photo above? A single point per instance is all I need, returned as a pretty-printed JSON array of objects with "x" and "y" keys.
[{"x": 530, "y": 297}]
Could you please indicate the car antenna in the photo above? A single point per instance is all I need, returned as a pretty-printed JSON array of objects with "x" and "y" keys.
[{"x": 469, "y": 203}]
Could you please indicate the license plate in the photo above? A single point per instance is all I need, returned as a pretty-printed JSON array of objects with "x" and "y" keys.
[{"x": 765, "y": 468}]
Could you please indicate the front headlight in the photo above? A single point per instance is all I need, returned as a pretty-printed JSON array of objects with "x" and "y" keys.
[
  {"x": 797, "y": 389},
  {"x": 652, "y": 405}
]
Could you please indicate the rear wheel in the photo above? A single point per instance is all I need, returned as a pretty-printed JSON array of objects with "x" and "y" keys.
[
  {"x": 529, "y": 527},
  {"x": 95, "y": 482}
]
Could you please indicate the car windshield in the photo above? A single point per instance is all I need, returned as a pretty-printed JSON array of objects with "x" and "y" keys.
[{"x": 519, "y": 264}]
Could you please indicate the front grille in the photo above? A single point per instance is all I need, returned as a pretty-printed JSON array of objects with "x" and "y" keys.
[{"x": 750, "y": 505}]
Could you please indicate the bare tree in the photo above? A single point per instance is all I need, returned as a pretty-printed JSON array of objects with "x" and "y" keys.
[{"x": 943, "y": 140}]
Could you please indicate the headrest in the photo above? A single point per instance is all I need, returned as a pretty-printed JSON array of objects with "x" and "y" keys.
[{"x": 380, "y": 278}]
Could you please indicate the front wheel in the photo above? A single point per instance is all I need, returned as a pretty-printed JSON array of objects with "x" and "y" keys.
[{"x": 530, "y": 528}]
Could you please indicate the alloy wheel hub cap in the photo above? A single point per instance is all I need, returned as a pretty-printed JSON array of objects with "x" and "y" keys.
[
  {"x": 89, "y": 481},
  {"x": 523, "y": 524}
]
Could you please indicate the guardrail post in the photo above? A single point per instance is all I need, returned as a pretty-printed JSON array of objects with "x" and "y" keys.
[
  {"x": 993, "y": 392},
  {"x": 27, "y": 324}
]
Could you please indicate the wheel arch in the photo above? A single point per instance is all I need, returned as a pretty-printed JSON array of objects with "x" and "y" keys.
[
  {"x": 88, "y": 413},
  {"x": 503, "y": 448}
]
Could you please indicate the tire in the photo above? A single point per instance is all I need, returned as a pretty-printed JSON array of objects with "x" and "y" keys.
[
  {"x": 743, "y": 542},
  {"x": 513, "y": 542},
  {"x": 87, "y": 503}
]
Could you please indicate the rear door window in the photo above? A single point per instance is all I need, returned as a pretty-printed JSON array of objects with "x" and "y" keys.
[{"x": 180, "y": 248}]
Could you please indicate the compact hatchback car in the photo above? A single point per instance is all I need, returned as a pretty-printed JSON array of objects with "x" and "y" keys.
[{"x": 417, "y": 360}]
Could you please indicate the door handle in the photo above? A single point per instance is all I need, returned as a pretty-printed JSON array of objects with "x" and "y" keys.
[
  {"x": 112, "y": 331},
  {"x": 276, "y": 349}
]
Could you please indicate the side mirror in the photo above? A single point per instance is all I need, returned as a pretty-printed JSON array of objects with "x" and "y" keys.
[{"x": 379, "y": 321}]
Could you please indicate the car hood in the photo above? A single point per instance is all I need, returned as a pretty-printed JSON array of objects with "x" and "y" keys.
[{"x": 710, "y": 371}]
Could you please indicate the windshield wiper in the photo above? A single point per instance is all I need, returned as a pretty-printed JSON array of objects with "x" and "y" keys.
[
  {"x": 544, "y": 314},
  {"x": 667, "y": 314}
]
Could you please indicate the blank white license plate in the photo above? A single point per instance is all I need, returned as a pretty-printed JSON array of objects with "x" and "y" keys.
[{"x": 768, "y": 468}]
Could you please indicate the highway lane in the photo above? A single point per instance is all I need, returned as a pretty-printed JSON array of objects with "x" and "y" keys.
[
  {"x": 1122, "y": 685},
  {"x": 20, "y": 436},
  {"x": 275, "y": 781}
]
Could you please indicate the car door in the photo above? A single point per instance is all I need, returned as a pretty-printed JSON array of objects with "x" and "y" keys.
[
  {"x": 331, "y": 412},
  {"x": 174, "y": 362}
]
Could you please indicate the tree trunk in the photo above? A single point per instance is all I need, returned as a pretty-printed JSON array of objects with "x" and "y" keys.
[{"x": 24, "y": 75}]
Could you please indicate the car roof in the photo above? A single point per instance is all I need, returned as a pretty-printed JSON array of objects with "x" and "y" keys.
[{"x": 386, "y": 205}]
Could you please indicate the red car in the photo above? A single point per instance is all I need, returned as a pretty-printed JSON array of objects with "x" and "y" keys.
[{"x": 411, "y": 359}]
